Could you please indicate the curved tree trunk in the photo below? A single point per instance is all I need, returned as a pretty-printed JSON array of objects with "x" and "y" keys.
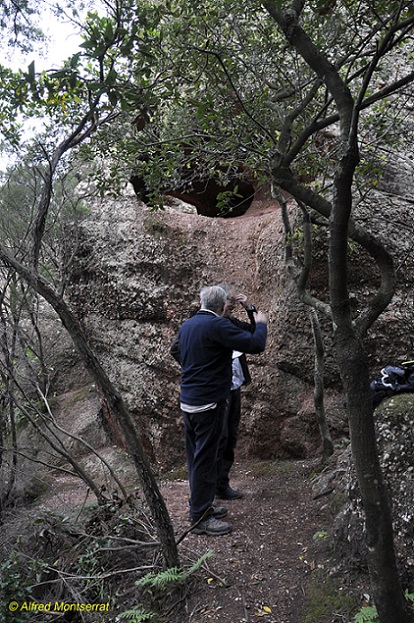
[
  {"x": 300, "y": 277},
  {"x": 351, "y": 357},
  {"x": 386, "y": 587},
  {"x": 353, "y": 365},
  {"x": 149, "y": 484}
]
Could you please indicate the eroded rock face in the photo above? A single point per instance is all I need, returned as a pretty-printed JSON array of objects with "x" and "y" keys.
[
  {"x": 136, "y": 277},
  {"x": 395, "y": 435},
  {"x": 396, "y": 444}
]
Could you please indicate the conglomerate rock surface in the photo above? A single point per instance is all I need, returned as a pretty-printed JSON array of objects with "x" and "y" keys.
[{"x": 136, "y": 277}]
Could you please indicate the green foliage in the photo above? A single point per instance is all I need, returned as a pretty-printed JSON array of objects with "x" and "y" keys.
[
  {"x": 226, "y": 199},
  {"x": 137, "y": 615},
  {"x": 42, "y": 567},
  {"x": 173, "y": 575},
  {"x": 219, "y": 78},
  {"x": 367, "y": 614},
  {"x": 159, "y": 583},
  {"x": 213, "y": 78},
  {"x": 17, "y": 575},
  {"x": 19, "y": 196}
]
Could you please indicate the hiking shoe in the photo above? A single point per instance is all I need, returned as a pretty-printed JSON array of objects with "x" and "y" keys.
[
  {"x": 219, "y": 512},
  {"x": 216, "y": 511},
  {"x": 212, "y": 527},
  {"x": 229, "y": 494}
]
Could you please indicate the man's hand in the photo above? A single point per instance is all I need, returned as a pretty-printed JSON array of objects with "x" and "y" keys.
[{"x": 260, "y": 317}]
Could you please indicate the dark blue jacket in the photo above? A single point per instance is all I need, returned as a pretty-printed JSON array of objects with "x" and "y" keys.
[{"x": 205, "y": 345}]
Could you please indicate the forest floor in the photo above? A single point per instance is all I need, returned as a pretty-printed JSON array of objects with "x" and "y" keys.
[
  {"x": 275, "y": 564},
  {"x": 278, "y": 564}
]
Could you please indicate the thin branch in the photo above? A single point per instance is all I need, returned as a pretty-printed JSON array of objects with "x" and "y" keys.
[
  {"x": 52, "y": 419},
  {"x": 299, "y": 274},
  {"x": 373, "y": 246},
  {"x": 235, "y": 91}
]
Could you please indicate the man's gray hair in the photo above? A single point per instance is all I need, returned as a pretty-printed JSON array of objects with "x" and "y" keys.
[{"x": 213, "y": 298}]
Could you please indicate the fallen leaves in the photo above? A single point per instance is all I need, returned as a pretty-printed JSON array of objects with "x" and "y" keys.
[{"x": 263, "y": 611}]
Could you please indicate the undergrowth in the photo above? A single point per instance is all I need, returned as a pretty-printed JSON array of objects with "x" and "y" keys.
[
  {"x": 48, "y": 559},
  {"x": 369, "y": 614},
  {"x": 160, "y": 585},
  {"x": 327, "y": 601}
]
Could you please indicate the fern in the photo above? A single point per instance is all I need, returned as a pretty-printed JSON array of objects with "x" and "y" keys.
[
  {"x": 172, "y": 575},
  {"x": 161, "y": 578},
  {"x": 196, "y": 566},
  {"x": 159, "y": 582},
  {"x": 137, "y": 615},
  {"x": 367, "y": 614}
]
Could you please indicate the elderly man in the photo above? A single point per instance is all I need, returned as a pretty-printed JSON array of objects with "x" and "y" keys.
[{"x": 204, "y": 349}]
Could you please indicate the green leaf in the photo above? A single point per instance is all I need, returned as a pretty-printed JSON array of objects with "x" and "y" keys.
[
  {"x": 31, "y": 72},
  {"x": 74, "y": 61},
  {"x": 88, "y": 45},
  {"x": 113, "y": 97},
  {"x": 109, "y": 31}
]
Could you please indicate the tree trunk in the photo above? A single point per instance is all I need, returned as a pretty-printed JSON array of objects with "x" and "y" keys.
[
  {"x": 353, "y": 365},
  {"x": 318, "y": 392},
  {"x": 387, "y": 592},
  {"x": 149, "y": 484}
]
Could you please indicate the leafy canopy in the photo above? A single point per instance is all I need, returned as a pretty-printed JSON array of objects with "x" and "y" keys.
[{"x": 215, "y": 86}]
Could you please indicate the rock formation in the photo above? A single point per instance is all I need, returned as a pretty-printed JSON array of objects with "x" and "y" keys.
[
  {"x": 395, "y": 434},
  {"x": 136, "y": 278}
]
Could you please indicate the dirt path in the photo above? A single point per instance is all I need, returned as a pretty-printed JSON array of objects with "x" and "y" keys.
[{"x": 260, "y": 569}]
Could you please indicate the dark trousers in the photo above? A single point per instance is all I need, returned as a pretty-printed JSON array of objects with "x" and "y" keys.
[
  {"x": 228, "y": 440},
  {"x": 203, "y": 432}
]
